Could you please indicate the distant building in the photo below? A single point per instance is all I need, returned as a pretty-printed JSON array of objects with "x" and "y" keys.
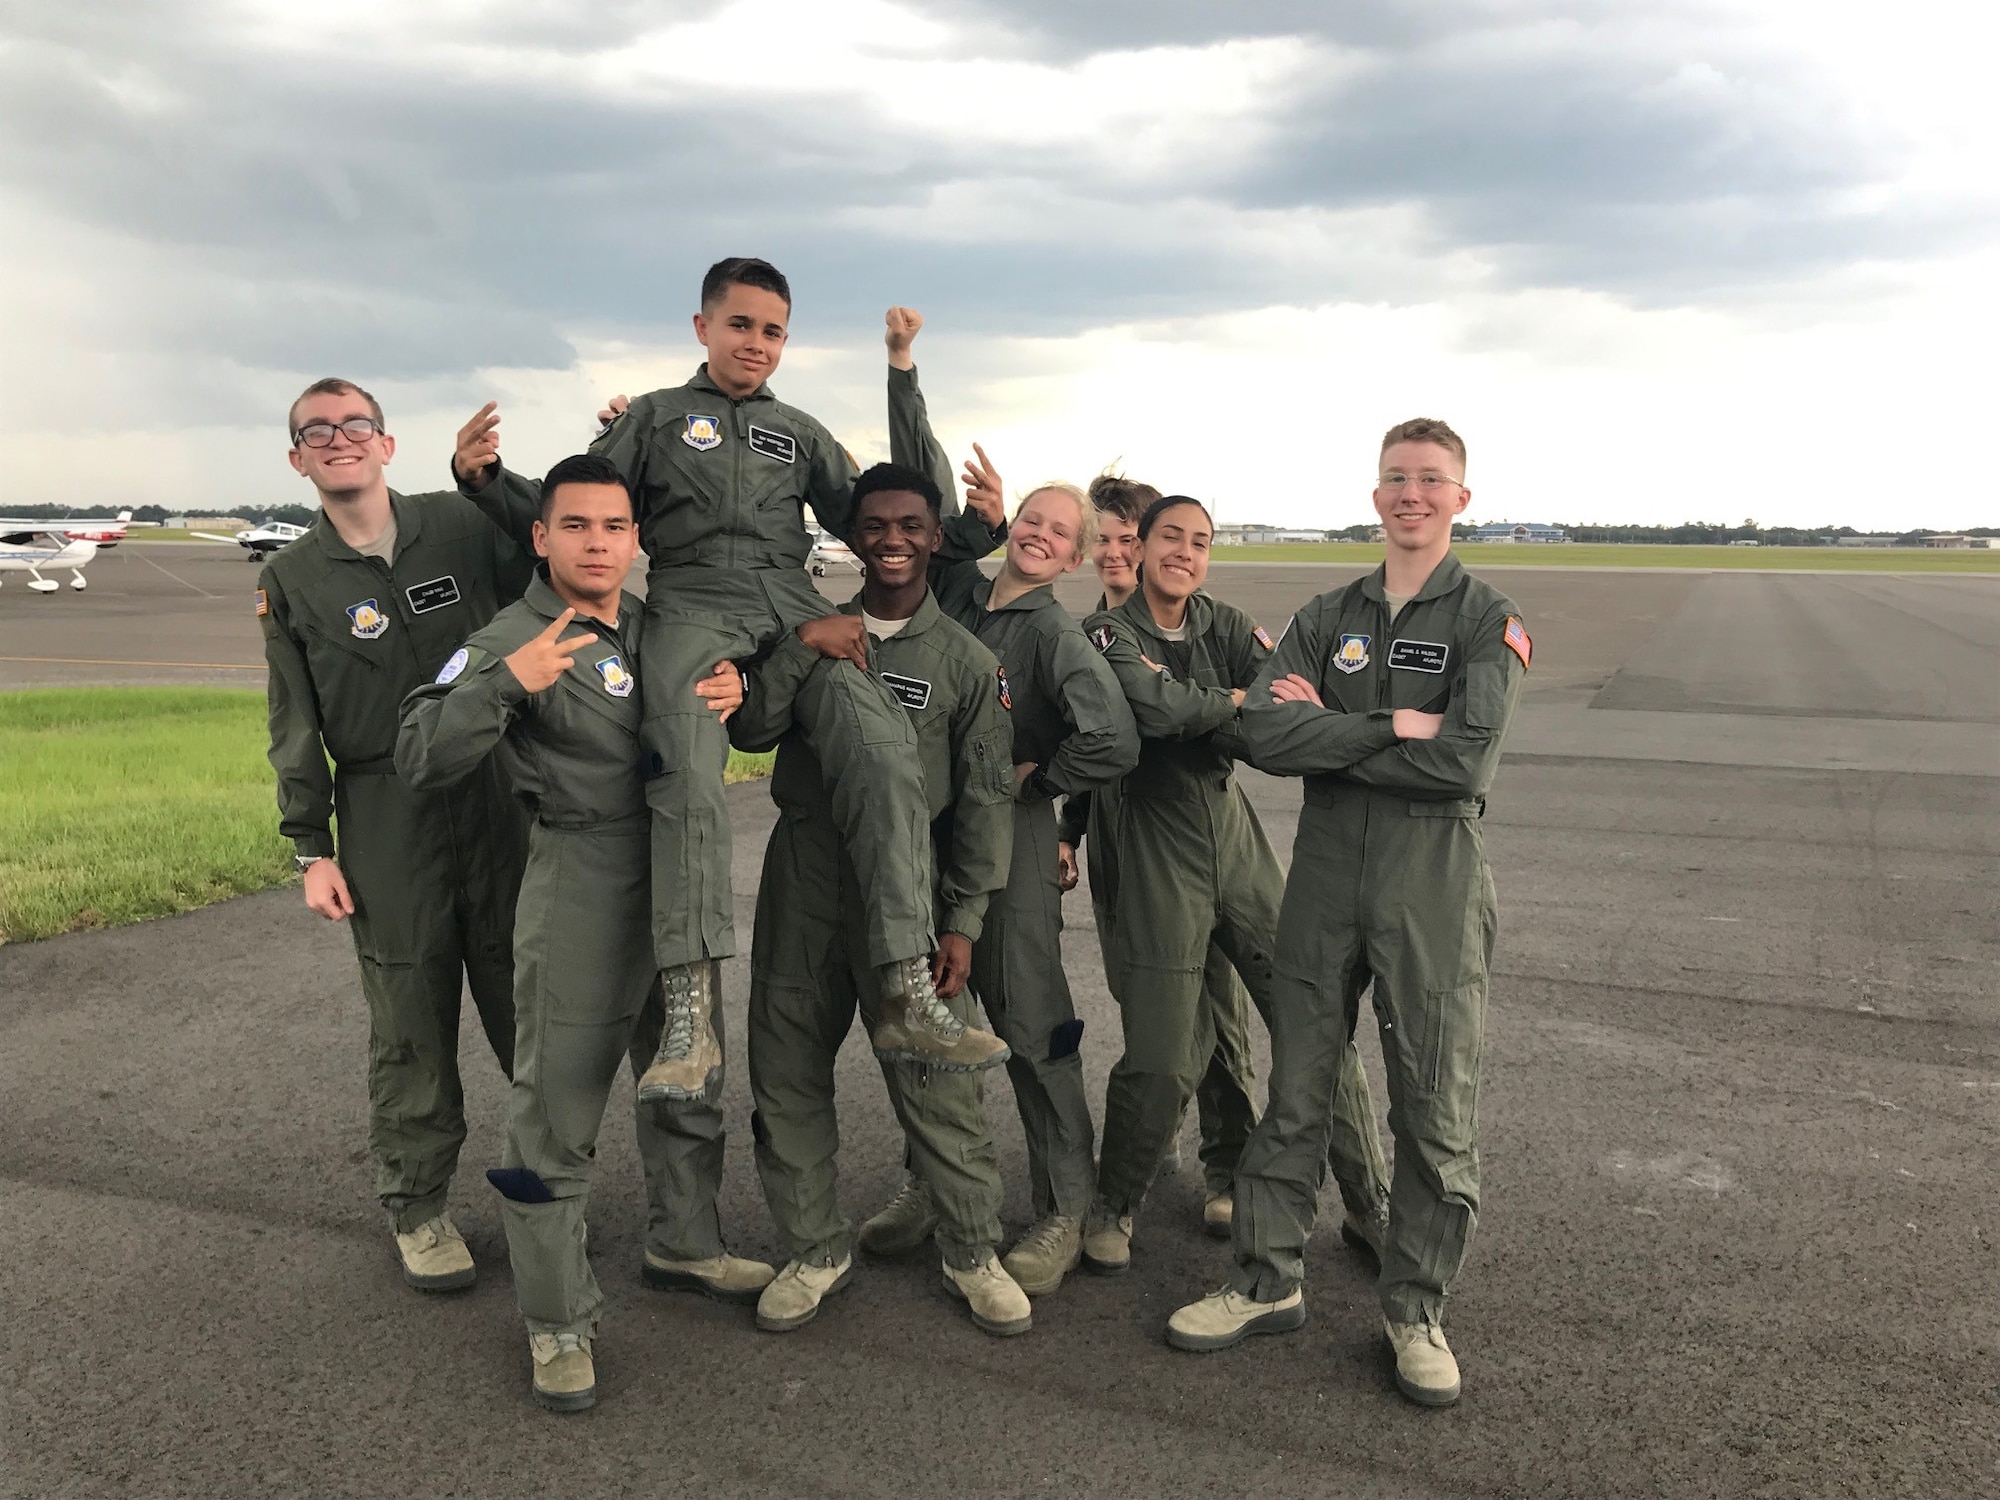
[
  {"x": 1519, "y": 531},
  {"x": 1867, "y": 541},
  {"x": 1956, "y": 543},
  {"x": 1254, "y": 534}
]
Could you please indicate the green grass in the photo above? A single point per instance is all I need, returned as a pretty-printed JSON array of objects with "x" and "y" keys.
[
  {"x": 1645, "y": 555},
  {"x": 119, "y": 804},
  {"x": 743, "y": 767}
]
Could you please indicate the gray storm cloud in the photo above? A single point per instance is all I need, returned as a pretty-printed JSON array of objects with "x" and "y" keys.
[{"x": 306, "y": 210}]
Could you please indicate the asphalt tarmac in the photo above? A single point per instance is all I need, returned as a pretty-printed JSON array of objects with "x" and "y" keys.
[{"x": 1740, "y": 1109}]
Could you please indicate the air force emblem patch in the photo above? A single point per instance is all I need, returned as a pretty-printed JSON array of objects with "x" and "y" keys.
[
  {"x": 617, "y": 681},
  {"x": 366, "y": 620},
  {"x": 1006, "y": 697},
  {"x": 1102, "y": 637},
  {"x": 1352, "y": 654},
  {"x": 703, "y": 431}
]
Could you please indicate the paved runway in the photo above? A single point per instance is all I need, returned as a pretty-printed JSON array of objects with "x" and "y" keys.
[{"x": 1741, "y": 1108}]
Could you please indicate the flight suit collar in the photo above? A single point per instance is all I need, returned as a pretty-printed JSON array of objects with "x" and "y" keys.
[
  {"x": 1445, "y": 577},
  {"x": 1200, "y": 616},
  {"x": 542, "y": 598},
  {"x": 1037, "y": 597},
  {"x": 407, "y": 516},
  {"x": 927, "y": 615},
  {"x": 703, "y": 381}
]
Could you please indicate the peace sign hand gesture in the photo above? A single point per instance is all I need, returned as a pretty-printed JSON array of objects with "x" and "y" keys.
[
  {"x": 984, "y": 493},
  {"x": 538, "y": 664}
]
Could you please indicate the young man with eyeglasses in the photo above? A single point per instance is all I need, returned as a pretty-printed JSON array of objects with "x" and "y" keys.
[
  {"x": 1391, "y": 696},
  {"x": 366, "y": 605}
]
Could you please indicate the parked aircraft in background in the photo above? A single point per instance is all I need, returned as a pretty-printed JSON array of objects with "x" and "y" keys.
[
  {"x": 29, "y": 550},
  {"x": 828, "y": 550},
  {"x": 79, "y": 528},
  {"x": 261, "y": 541}
]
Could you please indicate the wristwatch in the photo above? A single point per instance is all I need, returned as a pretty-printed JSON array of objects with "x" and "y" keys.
[{"x": 304, "y": 861}]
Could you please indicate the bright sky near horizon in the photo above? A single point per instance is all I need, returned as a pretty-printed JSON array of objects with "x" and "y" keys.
[{"x": 1697, "y": 259}]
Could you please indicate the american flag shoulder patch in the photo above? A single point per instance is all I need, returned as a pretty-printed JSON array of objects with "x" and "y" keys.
[
  {"x": 1517, "y": 640},
  {"x": 263, "y": 604},
  {"x": 1264, "y": 638}
]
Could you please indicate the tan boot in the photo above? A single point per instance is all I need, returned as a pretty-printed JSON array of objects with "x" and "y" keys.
[
  {"x": 1107, "y": 1242},
  {"x": 689, "y": 1062},
  {"x": 906, "y": 1225},
  {"x": 998, "y": 1304},
  {"x": 1426, "y": 1371},
  {"x": 918, "y": 1027},
  {"x": 1045, "y": 1254},
  {"x": 793, "y": 1298},
  {"x": 725, "y": 1277},
  {"x": 435, "y": 1257},
  {"x": 1218, "y": 1215},
  {"x": 1228, "y": 1317},
  {"x": 565, "y": 1377}
]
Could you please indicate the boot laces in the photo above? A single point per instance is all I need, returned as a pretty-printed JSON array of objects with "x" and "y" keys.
[
  {"x": 555, "y": 1345},
  {"x": 912, "y": 1198},
  {"x": 925, "y": 1002},
  {"x": 679, "y": 1039},
  {"x": 1047, "y": 1237}
]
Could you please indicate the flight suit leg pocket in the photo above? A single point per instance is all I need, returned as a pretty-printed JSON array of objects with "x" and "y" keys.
[{"x": 1449, "y": 1064}]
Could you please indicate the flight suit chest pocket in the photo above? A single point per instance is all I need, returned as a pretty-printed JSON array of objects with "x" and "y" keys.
[{"x": 1486, "y": 695}]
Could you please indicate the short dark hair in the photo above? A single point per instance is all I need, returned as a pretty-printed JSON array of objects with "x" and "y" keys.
[
  {"x": 1166, "y": 503},
  {"x": 333, "y": 385},
  {"x": 1118, "y": 496},
  {"x": 743, "y": 270},
  {"x": 583, "y": 468},
  {"x": 1426, "y": 430},
  {"x": 899, "y": 477}
]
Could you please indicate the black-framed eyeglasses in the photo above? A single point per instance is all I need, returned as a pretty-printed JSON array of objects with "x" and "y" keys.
[{"x": 355, "y": 429}]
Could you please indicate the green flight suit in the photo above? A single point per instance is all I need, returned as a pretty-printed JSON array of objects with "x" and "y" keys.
[
  {"x": 1194, "y": 869},
  {"x": 1388, "y": 877},
  {"x": 809, "y": 969},
  {"x": 1071, "y": 721},
  {"x": 587, "y": 990},
  {"x": 720, "y": 486},
  {"x": 433, "y": 874}
]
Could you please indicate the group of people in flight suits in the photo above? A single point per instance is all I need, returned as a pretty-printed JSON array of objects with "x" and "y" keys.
[{"x": 504, "y": 772}]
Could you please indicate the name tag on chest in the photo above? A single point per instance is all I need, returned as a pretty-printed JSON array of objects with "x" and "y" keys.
[
  {"x": 914, "y": 692},
  {"x": 1418, "y": 656},
  {"x": 779, "y": 445},
  {"x": 425, "y": 597}
]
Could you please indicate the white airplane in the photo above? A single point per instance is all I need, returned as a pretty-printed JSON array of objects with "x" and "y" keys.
[
  {"x": 79, "y": 528},
  {"x": 261, "y": 541},
  {"x": 828, "y": 550},
  {"x": 30, "y": 550}
]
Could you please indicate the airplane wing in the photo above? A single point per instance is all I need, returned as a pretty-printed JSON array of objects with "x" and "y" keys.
[{"x": 213, "y": 536}]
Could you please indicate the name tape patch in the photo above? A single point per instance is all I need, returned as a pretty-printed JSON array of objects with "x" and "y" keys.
[
  {"x": 1418, "y": 656},
  {"x": 779, "y": 445},
  {"x": 425, "y": 597},
  {"x": 914, "y": 692}
]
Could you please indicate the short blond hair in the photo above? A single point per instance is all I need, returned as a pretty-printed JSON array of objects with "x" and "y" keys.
[
  {"x": 1086, "y": 531},
  {"x": 1426, "y": 430}
]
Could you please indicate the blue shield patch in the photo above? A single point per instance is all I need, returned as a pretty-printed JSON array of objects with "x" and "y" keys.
[
  {"x": 703, "y": 431},
  {"x": 617, "y": 681},
  {"x": 366, "y": 620},
  {"x": 1352, "y": 653}
]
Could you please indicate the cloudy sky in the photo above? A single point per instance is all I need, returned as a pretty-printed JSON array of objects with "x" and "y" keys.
[{"x": 1687, "y": 259}]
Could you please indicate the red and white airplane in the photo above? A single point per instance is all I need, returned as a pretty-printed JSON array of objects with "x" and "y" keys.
[{"x": 78, "y": 528}]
